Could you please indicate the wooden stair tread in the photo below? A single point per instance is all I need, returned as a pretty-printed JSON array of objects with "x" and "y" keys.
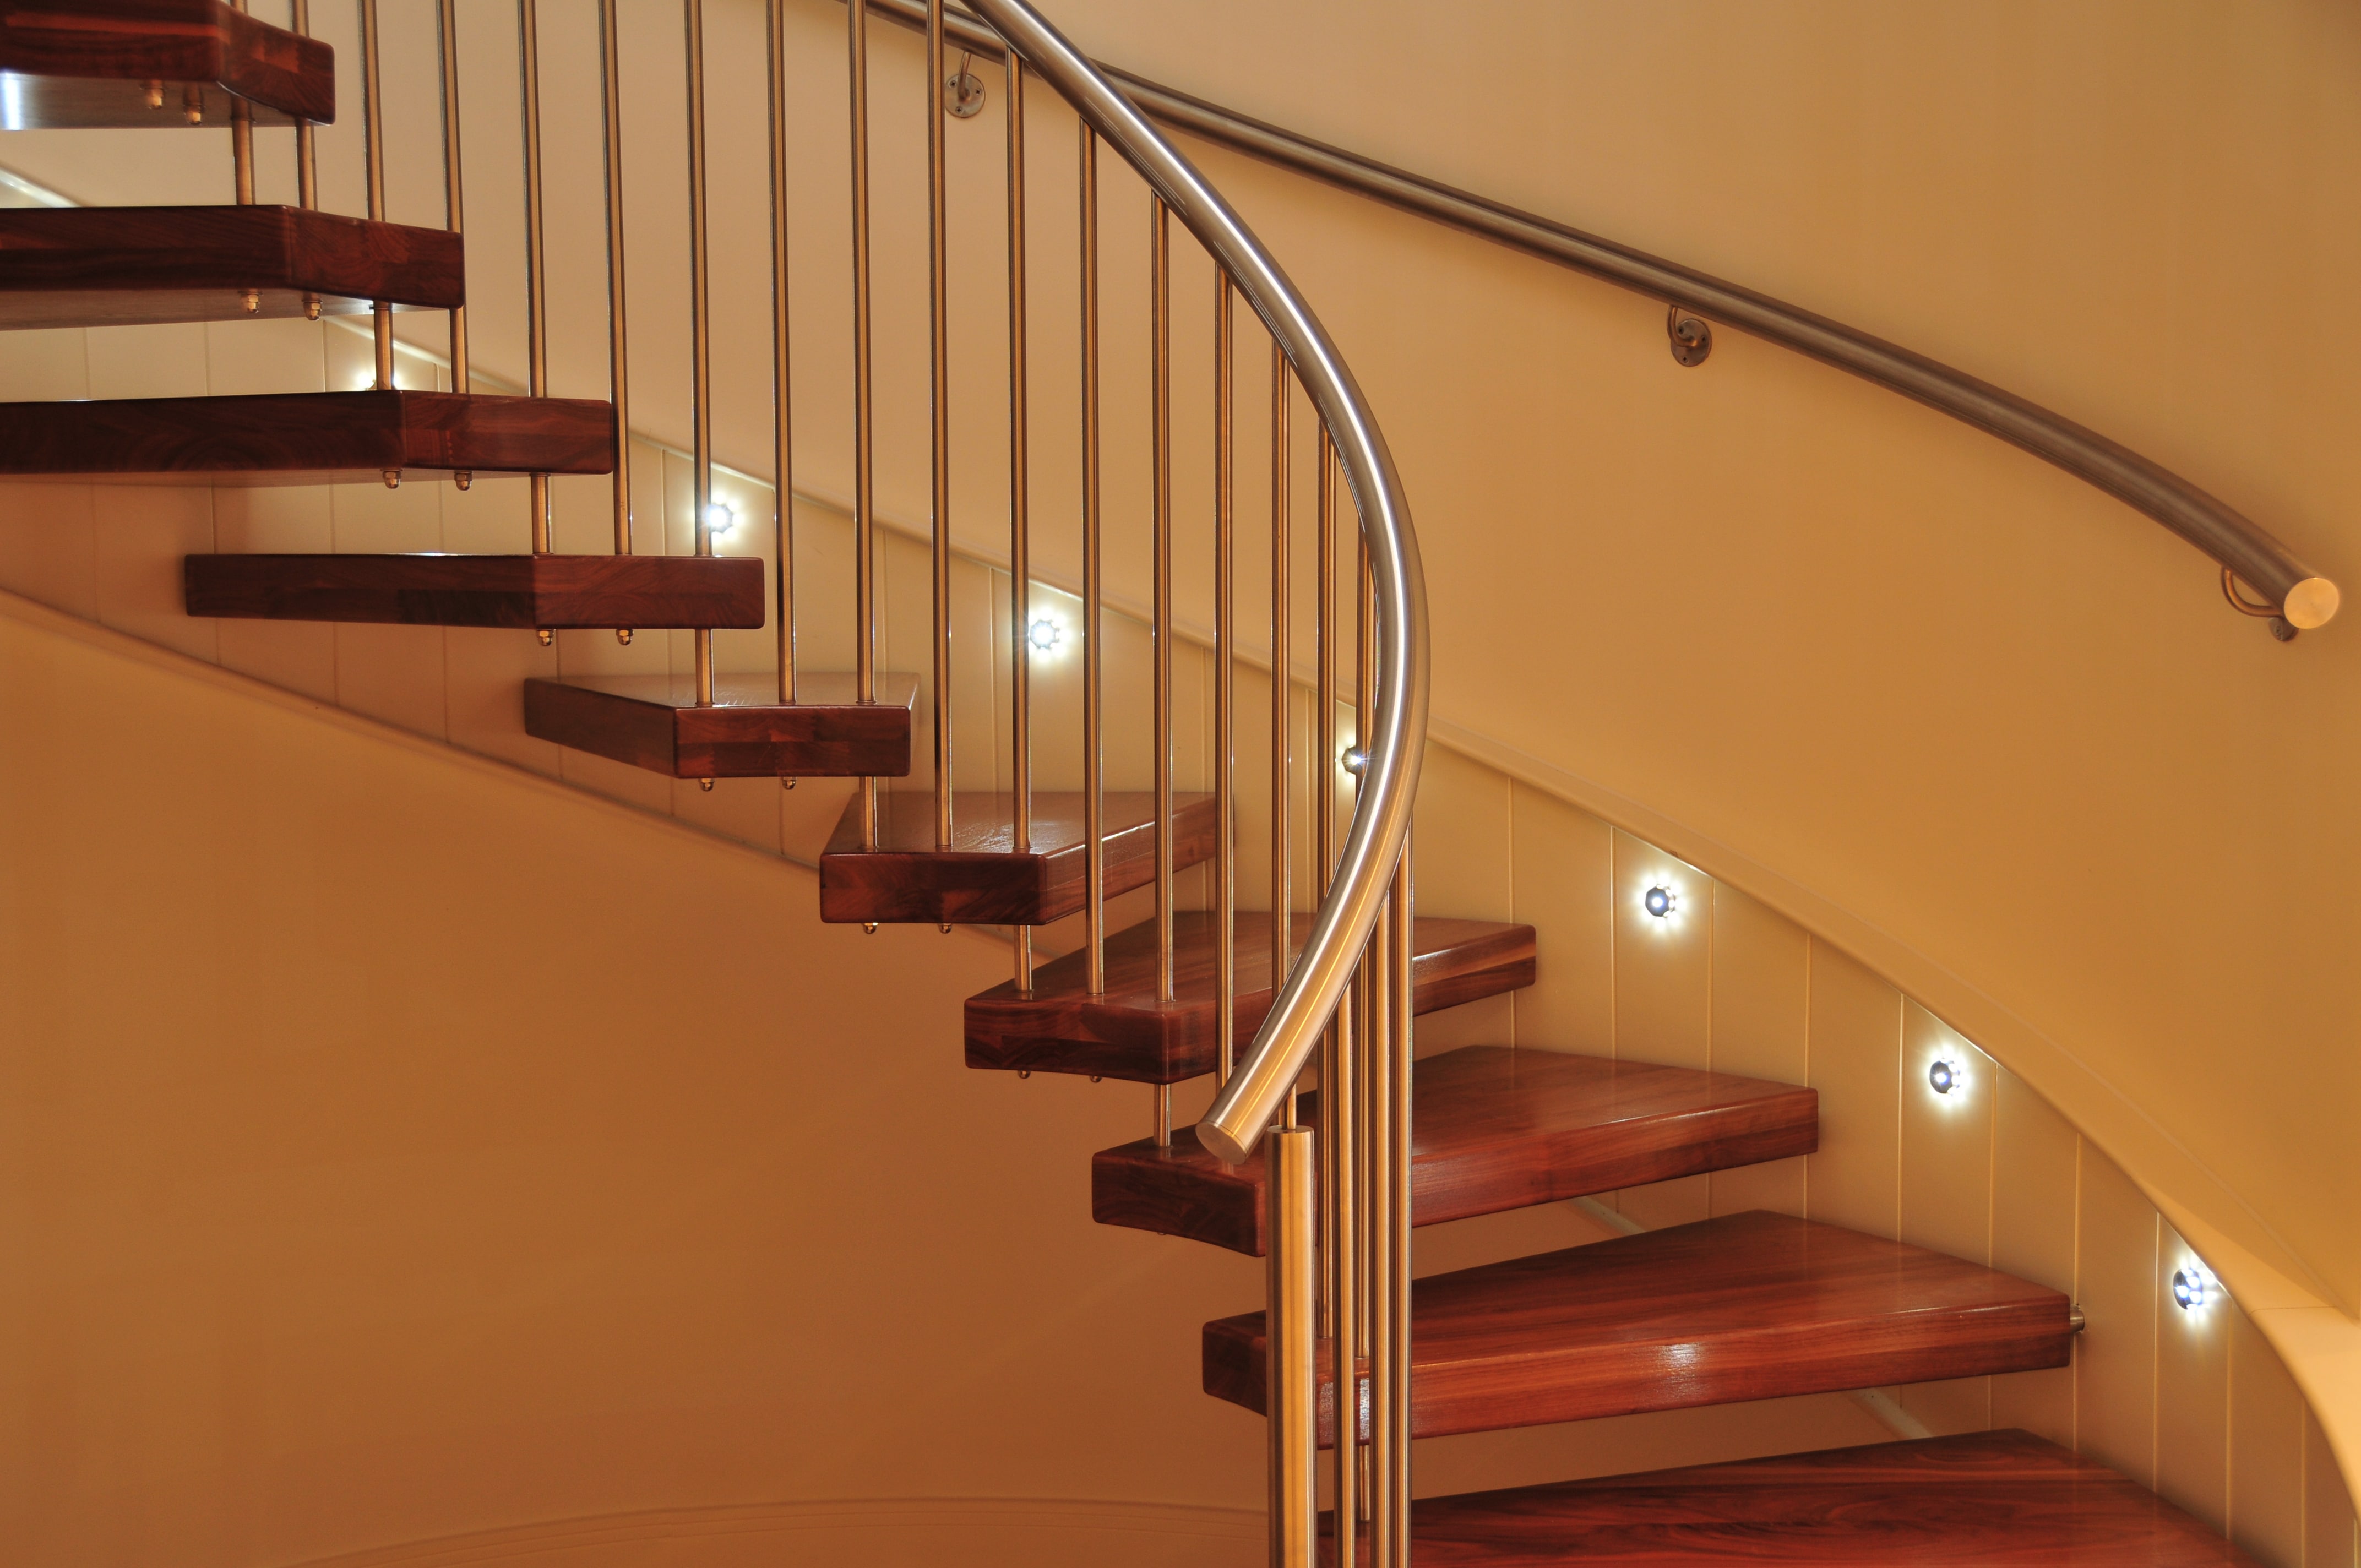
[
  {"x": 653, "y": 722},
  {"x": 117, "y": 265},
  {"x": 980, "y": 879},
  {"x": 1127, "y": 1034},
  {"x": 303, "y": 438},
  {"x": 1491, "y": 1128},
  {"x": 523, "y": 591},
  {"x": 91, "y": 63},
  {"x": 1752, "y": 1306},
  {"x": 1998, "y": 1499}
]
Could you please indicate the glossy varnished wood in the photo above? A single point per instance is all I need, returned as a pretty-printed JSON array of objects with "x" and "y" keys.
[
  {"x": 980, "y": 879},
  {"x": 117, "y": 265},
  {"x": 303, "y": 438},
  {"x": 1491, "y": 1128},
  {"x": 2000, "y": 1500},
  {"x": 653, "y": 722},
  {"x": 481, "y": 590},
  {"x": 1126, "y": 1033},
  {"x": 1752, "y": 1306},
  {"x": 84, "y": 63}
]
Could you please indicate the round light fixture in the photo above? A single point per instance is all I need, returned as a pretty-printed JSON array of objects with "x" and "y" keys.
[
  {"x": 1356, "y": 760},
  {"x": 1046, "y": 636},
  {"x": 2192, "y": 1287},
  {"x": 1944, "y": 1076},
  {"x": 720, "y": 519},
  {"x": 1660, "y": 902}
]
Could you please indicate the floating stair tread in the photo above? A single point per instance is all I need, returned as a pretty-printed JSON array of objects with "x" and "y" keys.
[
  {"x": 521, "y": 591},
  {"x": 305, "y": 438},
  {"x": 80, "y": 64},
  {"x": 980, "y": 880},
  {"x": 653, "y": 722},
  {"x": 1997, "y": 1500},
  {"x": 1126, "y": 1033},
  {"x": 1752, "y": 1306},
  {"x": 1491, "y": 1128},
  {"x": 119, "y": 265}
]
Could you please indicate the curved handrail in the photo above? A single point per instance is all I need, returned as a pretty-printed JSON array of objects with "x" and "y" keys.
[
  {"x": 2297, "y": 596},
  {"x": 1395, "y": 745}
]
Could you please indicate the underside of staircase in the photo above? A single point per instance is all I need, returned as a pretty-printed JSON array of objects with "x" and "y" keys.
[{"x": 1741, "y": 1306}]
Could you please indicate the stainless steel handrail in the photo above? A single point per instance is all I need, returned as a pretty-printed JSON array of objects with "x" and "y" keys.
[
  {"x": 1272, "y": 1066},
  {"x": 2299, "y": 597}
]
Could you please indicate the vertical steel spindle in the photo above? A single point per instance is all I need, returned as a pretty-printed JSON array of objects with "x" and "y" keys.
[
  {"x": 701, "y": 328},
  {"x": 1160, "y": 308},
  {"x": 1397, "y": 1481},
  {"x": 610, "y": 79},
  {"x": 1225, "y": 847},
  {"x": 939, "y": 409},
  {"x": 1093, "y": 749},
  {"x": 1281, "y": 866},
  {"x": 241, "y": 159},
  {"x": 446, "y": 38},
  {"x": 307, "y": 168},
  {"x": 1291, "y": 1360},
  {"x": 864, "y": 577},
  {"x": 1377, "y": 1106},
  {"x": 783, "y": 447},
  {"x": 537, "y": 257},
  {"x": 1020, "y": 543},
  {"x": 373, "y": 134}
]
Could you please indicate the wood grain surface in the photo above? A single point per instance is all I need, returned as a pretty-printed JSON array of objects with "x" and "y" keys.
[
  {"x": 980, "y": 880},
  {"x": 119, "y": 265},
  {"x": 1998, "y": 1499},
  {"x": 74, "y": 64},
  {"x": 1491, "y": 1128},
  {"x": 1752, "y": 1306},
  {"x": 1127, "y": 1034},
  {"x": 305, "y": 438},
  {"x": 653, "y": 722},
  {"x": 524, "y": 591}
]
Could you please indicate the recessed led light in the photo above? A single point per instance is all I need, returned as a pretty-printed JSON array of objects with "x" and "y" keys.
[
  {"x": 720, "y": 519},
  {"x": 1356, "y": 759},
  {"x": 1660, "y": 902},
  {"x": 1945, "y": 1076},
  {"x": 1045, "y": 635},
  {"x": 2192, "y": 1287}
]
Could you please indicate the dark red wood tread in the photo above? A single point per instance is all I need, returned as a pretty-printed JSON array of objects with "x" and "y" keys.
[
  {"x": 303, "y": 438},
  {"x": 1491, "y": 1128},
  {"x": 980, "y": 880},
  {"x": 1752, "y": 1306},
  {"x": 1996, "y": 1499},
  {"x": 77, "y": 64},
  {"x": 653, "y": 722},
  {"x": 119, "y": 266},
  {"x": 1126, "y": 1033},
  {"x": 524, "y": 591}
]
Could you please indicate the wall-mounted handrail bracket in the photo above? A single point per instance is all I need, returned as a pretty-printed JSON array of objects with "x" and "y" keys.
[{"x": 1691, "y": 337}]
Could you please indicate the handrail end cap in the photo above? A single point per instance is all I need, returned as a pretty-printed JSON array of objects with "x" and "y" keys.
[
  {"x": 2311, "y": 603},
  {"x": 1210, "y": 1136}
]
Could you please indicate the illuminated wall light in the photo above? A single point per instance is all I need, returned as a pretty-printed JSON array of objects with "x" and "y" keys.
[
  {"x": 720, "y": 519},
  {"x": 1947, "y": 1075},
  {"x": 1660, "y": 902},
  {"x": 1355, "y": 759},
  {"x": 2193, "y": 1289},
  {"x": 1046, "y": 636}
]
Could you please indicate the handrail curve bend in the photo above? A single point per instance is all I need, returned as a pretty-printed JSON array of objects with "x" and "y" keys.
[
  {"x": 2299, "y": 597},
  {"x": 1281, "y": 1049}
]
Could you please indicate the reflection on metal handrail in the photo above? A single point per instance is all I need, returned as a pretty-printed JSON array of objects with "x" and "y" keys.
[
  {"x": 2299, "y": 597},
  {"x": 1281, "y": 1049}
]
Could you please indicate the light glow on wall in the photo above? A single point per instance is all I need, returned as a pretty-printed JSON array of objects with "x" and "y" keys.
[
  {"x": 1046, "y": 637},
  {"x": 1664, "y": 901},
  {"x": 2194, "y": 1288}
]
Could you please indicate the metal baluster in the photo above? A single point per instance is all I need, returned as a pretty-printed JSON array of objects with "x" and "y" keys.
[
  {"x": 864, "y": 576},
  {"x": 1336, "y": 1215},
  {"x": 1365, "y": 1025},
  {"x": 536, "y": 292},
  {"x": 446, "y": 38},
  {"x": 373, "y": 135},
  {"x": 700, "y": 334},
  {"x": 241, "y": 158},
  {"x": 1225, "y": 847},
  {"x": 1159, "y": 264},
  {"x": 1376, "y": 1094},
  {"x": 610, "y": 68},
  {"x": 1020, "y": 544},
  {"x": 783, "y": 450},
  {"x": 1397, "y": 1479},
  {"x": 1291, "y": 1361},
  {"x": 939, "y": 401},
  {"x": 1093, "y": 667},
  {"x": 307, "y": 170},
  {"x": 1281, "y": 867}
]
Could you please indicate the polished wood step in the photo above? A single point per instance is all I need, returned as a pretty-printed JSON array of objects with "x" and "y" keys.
[
  {"x": 1126, "y": 1033},
  {"x": 1491, "y": 1128},
  {"x": 77, "y": 64},
  {"x": 523, "y": 591},
  {"x": 125, "y": 266},
  {"x": 303, "y": 438},
  {"x": 980, "y": 880},
  {"x": 1997, "y": 1500},
  {"x": 653, "y": 722},
  {"x": 1754, "y": 1306}
]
